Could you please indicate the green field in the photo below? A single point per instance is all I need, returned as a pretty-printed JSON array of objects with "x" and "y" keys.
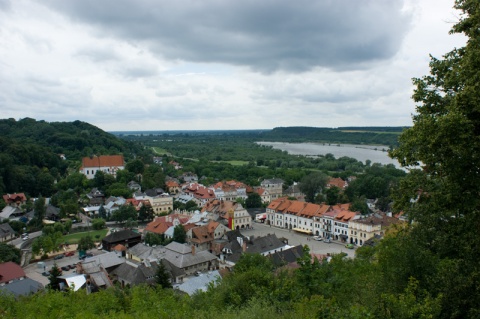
[
  {"x": 234, "y": 163},
  {"x": 160, "y": 151},
  {"x": 74, "y": 238}
]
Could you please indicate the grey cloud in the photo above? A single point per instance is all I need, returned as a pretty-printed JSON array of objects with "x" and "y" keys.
[{"x": 266, "y": 35}]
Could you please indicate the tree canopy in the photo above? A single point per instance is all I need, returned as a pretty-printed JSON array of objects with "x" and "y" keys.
[{"x": 441, "y": 192}]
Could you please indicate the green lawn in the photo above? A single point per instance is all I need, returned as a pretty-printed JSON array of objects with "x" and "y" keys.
[{"x": 74, "y": 238}]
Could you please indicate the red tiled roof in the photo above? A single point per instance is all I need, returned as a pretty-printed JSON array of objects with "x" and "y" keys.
[
  {"x": 103, "y": 161},
  {"x": 338, "y": 182},
  {"x": 171, "y": 184},
  {"x": 10, "y": 271},
  {"x": 14, "y": 198}
]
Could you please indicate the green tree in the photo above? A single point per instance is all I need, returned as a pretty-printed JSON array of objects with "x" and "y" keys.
[
  {"x": 179, "y": 234},
  {"x": 54, "y": 282},
  {"x": 39, "y": 210},
  {"x": 125, "y": 213},
  {"x": 162, "y": 277},
  {"x": 254, "y": 200},
  {"x": 441, "y": 196},
  {"x": 145, "y": 213},
  {"x": 312, "y": 184},
  {"x": 98, "y": 223},
  {"x": 85, "y": 243},
  {"x": 9, "y": 253},
  {"x": 136, "y": 166}
]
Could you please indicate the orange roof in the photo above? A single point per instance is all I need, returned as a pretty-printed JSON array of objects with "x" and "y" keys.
[
  {"x": 275, "y": 203},
  {"x": 103, "y": 161},
  {"x": 338, "y": 182},
  {"x": 345, "y": 216},
  {"x": 212, "y": 225},
  {"x": 171, "y": 184},
  {"x": 340, "y": 207},
  {"x": 295, "y": 207}
]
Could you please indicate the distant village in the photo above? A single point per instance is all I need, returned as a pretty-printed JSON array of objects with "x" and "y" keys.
[{"x": 215, "y": 232}]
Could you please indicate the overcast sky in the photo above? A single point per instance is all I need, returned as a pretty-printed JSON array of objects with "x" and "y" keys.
[{"x": 218, "y": 64}]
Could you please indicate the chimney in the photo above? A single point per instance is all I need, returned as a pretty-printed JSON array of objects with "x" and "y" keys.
[{"x": 193, "y": 250}]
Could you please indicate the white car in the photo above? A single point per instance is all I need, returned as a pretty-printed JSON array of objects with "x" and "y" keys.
[{"x": 317, "y": 238}]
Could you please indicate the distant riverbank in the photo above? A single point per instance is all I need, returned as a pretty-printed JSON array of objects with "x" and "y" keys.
[{"x": 376, "y": 154}]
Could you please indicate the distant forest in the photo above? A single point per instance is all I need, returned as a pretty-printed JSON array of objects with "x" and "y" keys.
[{"x": 375, "y": 135}]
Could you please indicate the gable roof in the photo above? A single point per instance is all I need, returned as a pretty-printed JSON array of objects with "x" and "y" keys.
[
  {"x": 121, "y": 235},
  {"x": 10, "y": 271},
  {"x": 103, "y": 161},
  {"x": 263, "y": 244},
  {"x": 23, "y": 287},
  {"x": 6, "y": 230},
  {"x": 287, "y": 256},
  {"x": 14, "y": 198}
]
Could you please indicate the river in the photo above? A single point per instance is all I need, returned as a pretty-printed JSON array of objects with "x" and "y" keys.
[{"x": 376, "y": 154}]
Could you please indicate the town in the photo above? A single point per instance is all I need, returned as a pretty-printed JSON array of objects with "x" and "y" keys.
[{"x": 194, "y": 247}]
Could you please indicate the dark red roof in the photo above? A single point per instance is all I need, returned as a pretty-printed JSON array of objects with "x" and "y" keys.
[{"x": 10, "y": 271}]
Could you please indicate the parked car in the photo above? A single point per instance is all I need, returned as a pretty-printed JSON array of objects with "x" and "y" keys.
[
  {"x": 66, "y": 268},
  {"x": 45, "y": 273},
  {"x": 349, "y": 246},
  {"x": 327, "y": 240},
  {"x": 317, "y": 238},
  {"x": 57, "y": 257},
  {"x": 69, "y": 253}
]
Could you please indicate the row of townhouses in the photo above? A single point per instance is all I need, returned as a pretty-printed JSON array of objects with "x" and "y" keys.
[{"x": 335, "y": 222}]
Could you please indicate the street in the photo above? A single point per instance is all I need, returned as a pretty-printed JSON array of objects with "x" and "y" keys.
[{"x": 294, "y": 239}]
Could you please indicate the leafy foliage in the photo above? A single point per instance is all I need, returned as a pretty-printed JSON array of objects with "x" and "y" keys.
[{"x": 9, "y": 253}]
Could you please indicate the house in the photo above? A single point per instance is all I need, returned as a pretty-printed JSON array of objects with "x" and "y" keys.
[
  {"x": 296, "y": 215},
  {"x": 108, "y": 164},
  {"x": 294, "y": 191},
  {"x": 10, "y": 212},
  {"x": 15, "y": 200},
  {"x": 72, "y": 281},
  {"x": 95, "y": 274},
  {"x": 6, "y": 232},
  {"x": 341, "y": 224},
  {"x": 161, "y": 224},
  {"x": 199, "y": 283},
  {"x": 198, "y": 192},
  {"x": 264, "y": 195},
  {"x": 172, "y": 187},
  {"x": 202, "y": 236},
  {"x": 274, "y": 187},
  {"x": 337, "y": 182},
  {"x": 96, "y": 197},
  {"x": 10, "y": 271},
  {"x": 189, "y": 177},
  {"x": 264, "y": 246},
  {"x": 232, "y": 213},
  {"x": 287, "y": 256},
  {"x": 52, "y": 213},
  {"x": 176, "y": 165},
  {"x": 184, "y": 260},
  {"x": 229, "y": 190},
  {"x": 134, "y": 186},
  {"x": 23, "y": 287},
  {"x": 161, "y": 204},
  {"x": 364, "y": 229},
  {"x": 134, "y": 273},
  {"x": 126, "y": 237}
]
